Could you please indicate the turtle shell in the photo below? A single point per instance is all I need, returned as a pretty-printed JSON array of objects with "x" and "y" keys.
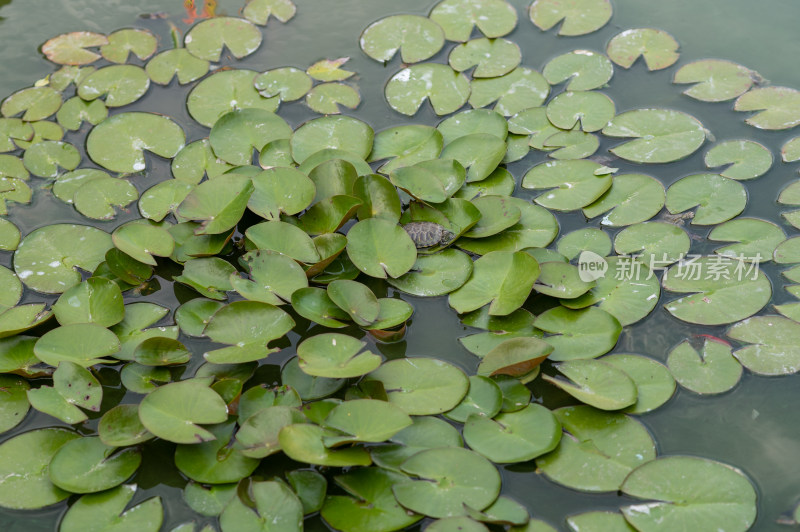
[{"x": 424, "y": 234}]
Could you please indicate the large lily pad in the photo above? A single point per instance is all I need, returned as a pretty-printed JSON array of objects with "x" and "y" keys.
[
  {"x": 579, "y": 16},
  {"x": 494, "y": 18},
  {"x": 417, "y": 38},
  {"x": 596, "y": 383},
  {"x": 568, "y": 185},
  {"x": 778, "y": 107},
  {"x": 710, "y": 371},
  {"x": 336, "y": 356},
  {"x": 657, "y": 47},
  {"x": 661, "y": 135},
  {"x": 174, "y": 411},
  {"x": 577, "y": 334},
  {"x": 87, "y": 465},
  {"x": 206, "y": 39},
  {"x": 585, "y": 70},
  {"x": 380, "y": 248},
  {"x": 490, "y": 57},
  {"x": 715, "y": 80},
  {"x": 514, "y": 436},
  {"x": 226, "y": 91},
  {"x": 772, "y": 345},
  {"x": 332, "y": 132},
  {"x": 107, "y": 510},
  {"x": 446, "y": 89},
  {"x": 522, "y": 88}
]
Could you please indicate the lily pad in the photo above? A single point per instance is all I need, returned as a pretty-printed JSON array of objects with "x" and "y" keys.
[
  {"x": 35, "y": 103},
  {"x": 248, "y": 326},
  {"x": 721, "y": 290},
  {"x": 746, "y": 159},
  {"x": 778, "y": 107},
  {"x": 218, "y": 203},
  {"x": 119, "y": 84},
  {"x": 235, "y": 134},
  {"x": 433, "y": 181},
  {"x": 494, "y": 18},
  {"x": 520, "y": 89},
  {"x": 754, "y": 239},
  {"x": 327, "y": 97},
  {"x": 98, "y": 198},
  {"x": 141, "y": 239},
  {"x": 712, "y": 371},
  {"x": 632, "y": 199},
  {"x": 44, "y": 159},
  {"x": 658, "y": 48},
  {"x": 579, "y": 16},
  {"x": 118, "y": 143},
  {"x": 84, "y": 344},
  {"x": 226, "y": 91},
  {"x": 288, "y": 83},
  {"x": 260, "y": 11},
  {"x": 71, "y": 48},
  {"x": 304, "y": 442},
  {"x": 330, "y": 70},
  {"x": 122, "y": 43},
  {"x": 715, "y": 80},
  {"x": 480, "y": 153},
  {"x": 336, "y": 356},
  {"x": 332, "y": 132},
  {"x": 435, "y": 275},
  {"x": 87, "y": 465},
  {"x": 417, "y": 38},
  {"x": 569, "y": 185},
  {"x": 273, "y": 503},
  {"x": 585, "y": 70},
  {"x": 446, "y": 89},
  {"x": 214, "y": 462},
  {"x": 176, "y": 62},
  {"x": 717, "y": 198},
  {"x": 515, "y": 436},
  {"x": 592, "y": 110},
  {"x": 206, "y": 39},
  {"x": 120, "y": 426},
  {"x": 596, "y": 383},
  {"x": 284, "y": 238},
  {"x": 95, "y": 300},
  {"x": 659, "y": 243},
  {"x": 107, "y": 510},
  {"x": 654, "y": 384},
  {"x": 579, "y": 334},
  {"x": 718, "y": 495},
  {"x": 772, "y": 345},
  {"x": 490, "y": 57},
  {"x": 380, "y": 248},
  {"x": 661, "y": 135},
  {"x": 406, "y": 145}
]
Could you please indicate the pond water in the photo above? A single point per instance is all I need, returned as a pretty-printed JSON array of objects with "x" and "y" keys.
[{"x": 755, "y": 427}]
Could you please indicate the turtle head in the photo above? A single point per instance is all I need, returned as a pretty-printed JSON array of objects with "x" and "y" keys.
[{"x": 447, "y": 237}]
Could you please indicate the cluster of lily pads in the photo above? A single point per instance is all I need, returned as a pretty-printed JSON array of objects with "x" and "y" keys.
[{"x": 274, "y": 228}]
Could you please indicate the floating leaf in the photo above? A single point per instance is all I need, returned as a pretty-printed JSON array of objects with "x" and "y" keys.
[
  {"x": 36, "y": 103},
  {"x": 86, "y": 465},
  {"x": 755, "y": 239},
  {"x": 598, "y": 450},
  {"x": 515, "y": 436},
  {"x": 449, "y": 478},
  {"x": 520, "y": 89},
  {"x": 248, "y": 326},
  {"x": 218, "y": 203},
  {"x": 494, "y": 18},
  {"x": 658, "y": 48},
  {"x": 12, "y": 129},
  {"x": 275, "y": 277},
  {"x": 654, "y": 384},
  {"x": 718, "y": 495},
  {"x": 120, "y": 84},
  {"x": 336, "y": 356},
  {"x": 120, "y": 426},
  {"x": 596, "y": 383},
  {"x": 580, "y": 16},
  {"x": 235, "y": 134},
  {"x": 123, "y": 42},
  {"x": 329, "y": 70},
  {"x": 716, "y": 80},
  {"x": 592, "y": 110},
  {"x": 585, "y": 70},
  {"x": 75, "y": 111},
  {"x": 747, "y": 159},
  {"x": 571, "y": 184},
  {"x": 70, "y": 48},
  {"x": 722, "y": 290},
  {"x": 380, "y": 248},
  {"x": 226, "y": 91},
  {"x": 536, "y": 227},
  {"x": 422, "y": 386},
  {"x": 46, "y": 258},
  {"x": 480, "y": 153},
  {"x": 772, "y": 345},
  {"x": 418, "y": 38},
  {"x": 214, "y": 462},
  {"x": 118, "y": 143},
  {"x": 259, "y": 11},
  {"x": 206, "y": 39},
  {"x": 632, "y": 198},
  {"x": 13, "y": 401},
  {"x": 44, "y": 159},
  {"x": 141, "y": 239},
  {"x": 97, "y": 198},
  {"x": 379, "y": 198},
  {"x": 92, "y": 301},
  {"x": 176, "y": 62},
  {"x": 490, "y": 57},
  {"x": 502, "y": 278},
  {"x": 712, "y": 371},
  {"x": 274, "y": 503},
  {"x": 284, "y": 238},
  {"x": 173, "y": 411},
  {"x": 578, "y": 334},
  {"x": 661, "y": 135},
  {"x": 659, "y": 243},
  {"x": 327, "y": 97},
  {"x": 446, "y": 89},
  {"x": 778, "y": 107},
  {"x": 573, "y": 144},
  {"x": 332, "y": 132},
  {"x": 304, "y": 442},
  {"x": 484, "y": 398},
  {"x": 599, "y": 522},
  {"x": 435, "y": 275},
  {"x": 107, "y": 510},
  {"x": 25, "y": 481},
  {"x": 473, "y": 121}
]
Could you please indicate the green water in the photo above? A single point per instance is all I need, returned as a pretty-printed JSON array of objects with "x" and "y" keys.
[{"x": 755, "y": 427}]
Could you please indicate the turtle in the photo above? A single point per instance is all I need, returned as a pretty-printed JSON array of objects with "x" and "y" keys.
[{"x": 428, "y": 234}]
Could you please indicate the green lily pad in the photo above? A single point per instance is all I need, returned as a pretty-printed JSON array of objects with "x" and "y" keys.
[
  {"x": 161, "y": 352},
  {"x": 132, "y": 331},
  {"x": 370, "y": 505},
  {"x": 690, "y": 492},
  {"x": 42, "y": 130},
  {"x": 332, "y": 132},
  {"x": 457, "y": 18},
  {"x": 194, "y": 315},
  {"x": 422, "y": 386},
  {"x": 596, "y": 383},
  {"x": 755, "y": 239},
  {"x": 119, "y": 84},
  {"x": 497, "y": 213},
  {"x": 520, "y": 89},
  {"x": 449, "y": 478},
  {"x": 559, "y": 279},
  {"x": 446, "y": 89},
  {"x": 284, "y": 238},
  {"x": 275, "y": 277},
  {"x": 87, "y": 465},
  {"x": 314, "y": 304},
  {"x": 44, "y": 159},
  {"x": 106, "y": 511},
  {"x": 206, "y": 39},
  {"x": 258, "y": 435},
  {"x": 336, "y": 356},
  {"x": 260, "y": 11},
  {"x": 747, "y": 159},
  {"x": 307, "y": 386},
  {"x": 712, "y": 371},
  {"x": 592, "y": 110},
  {"x": 579, "y": 334},
  {"x": 778, "y": 107},
  {"x": 329, "y": 70},
  {"x": 658, "y": 48},
  {"x": 118, "y": 143},
  {"x": 327, "y": 97},
  {"x": 235, "y": 134},
  {"x": 598, "y": 450},
  {"x": 480, "y": 153},
  {"x": 661, "y": 135},
  {"x": 585, "y": 70},
  {"x": 208, "y": 500},
  {"x": 71, "y": 48},
  {"x": 659, "y": 243},
  {"x": 717, "y": 198},
  {"x": 174, "y": 411},
  {"x": 484, "y": 398},
  {"x": 599, "y": 522},
  {"x": 654, "y": 384},
  {"x": 141, "y": 239},
  {"x": 435, "y": 275},
  {"x": 98, "y": 198},
  {"x": 356, "y": 300},
  {"x": 303, "y": 442},
  {"x": 502, "y": 278},
  {"x": 406, "y": 145},
  {"x": 218, "y": 203},
  {"x": 515, "y": 436},
  {"x": 123, "y": 42},
  {"x": 248, "y": 326},
  {"x": 226, "y": 91},
  {"x": 503, "y": 511},
  {"x": 537, "y": 227},
  {"x": 274, "y": 503},
  {"x": 329, "y": 215},
  {"x": 772, "y": 344},
  {"x": 379, "y": 198},
  {"x": 288, "y": 83},
  {"x": 721, "y": 290},
  {"x": 13, "y": 129},
  {"x": 570, "y": 185},
  {"x": 82, "y": 343},
  {"x": 35, "y": 103},
  {"x": 176, "y": 62},
  {"x": 120, "y": 426},
  {"x": 417, "y": 38},
  {"x": 572, "y": 145},
  {"x": 26, "y": 483},
  {"x": 591, "y": 239},
  {"x": 365, "y": 420},
  {"x": 715, "y": 80},
  {"x": 632, "y": 199},
  {"x": 471, "y": 122},
  {"x": 490, "y": 57},
  {"x": 432, "y": 181},
  {"x": 95, "y": 300},
  {"x": 214, "y": 462},
  {"x": 790, "y": 151},
  {"x": 164, "y": 198},
  {"x": 579, "y": 16},
  {"x": 380, "y": 248},
  {"x": 13, "y": 401}
]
